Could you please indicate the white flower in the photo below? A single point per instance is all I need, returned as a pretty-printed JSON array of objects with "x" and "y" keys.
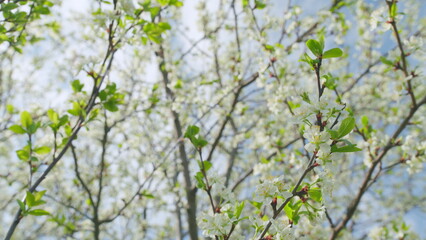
[
  {"x": 379, "y": 18},
  {"x": 265, "y": 192},
  {"x": 281, "y": 229},
  {"x": 317, "y": 140},
  {"x": 415, "y": 165},
  {"x": 217, "y": 224},
  {"x": 263, "y": 168},
  {"x": 269, "y": 189},
  {"x": 410, "y": 147},
  {"x": 327, "y": 185},
  {"x": 301, "y": 113}
]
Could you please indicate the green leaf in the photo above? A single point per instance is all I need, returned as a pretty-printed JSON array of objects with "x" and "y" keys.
[
  {"x": 163, "y": 2},
  {"x": 288, "y": 211},
  {"x": 93, "y": 114},
  {"x": 306, "y": 58},
  {"x": 164, "y": 26},
  {"x": 30, "y": 199},
  {"x": 315, "y": 47},
  {"x": 330, "y": 81},
  {"x": 348, "y": 148},
  {"x": 238, "y": 209},
  {"x": 41, "y": 10},
  {"x": 333, "y": 134},
  {"x": 393, "y": 10},
  {"x": 10, "y": 108},
  {"x": 364, "y": 120},
  {"x": 269, "y": 48},
  {"x": 110, "y": 106},
  {"x": 191, "y": 131},
  {"x": 200, "y": 142},
  {"x": 200, "y": 182},
  {"x": 68, "y": 130},
  {"x": 305, "y": 97},
  {"x": 76, "y": 85},
  {"x": 154, "y": 12},
  {"x": 346, "y": 127},
  {"x": 321, "y": 39},
  {"x": 53, "y": 116},
  {"x": 175, "y": 3},
  {"x": 332, "y": 53},
  {"x": 259, "y": 4},
  {"x": 315, "y": 194},
  {"x": 23, "y": 154},
  {"x": 257, "y": 205},
  {"x": 26, "y": 119},
  {"x": 17, "y": 129},
  {"x": 245, "y": 3},
  {"x": 147, "y": 194},
  {"x": 21, "y": 205},
  {"x": 38, "y": 212},
  {"x": 178, "y": 84},
  {"x": 9, "y": 6},
  {"x": 48, "y": 3},
  {"x": 39, "y": 195},
  {"x": 76, "y": 110},
  {"x": 33, "y": 128},
  {"x": 38, "y": 203},
  {"x": 42, "y": 150},
  {"x": 207, "y": 165},
  {"x": 386, "y": 61}
]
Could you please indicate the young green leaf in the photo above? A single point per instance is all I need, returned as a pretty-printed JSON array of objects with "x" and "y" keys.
[
  {"x": 386, "y": 61},
  {"x": 288, "y": 211},
  {"x": 321, "y": 39},
  {"x": 30, "y": 199},
  {"x": 269, "y": 48},
  {"x": 330, "y": 81},
  {"x": 164, "y": 26},
  {"x": 53, "y": 116},
  {"x": 393, "y": 10},
  {"x": 346, "y": 127},
  {"x": 10, "y": 108},
  {"x": 191, "y": 131},
  {"x": 315, "y": 47},
  {"x": 21, "y": 205},
  {"x": 239, "y": 209},
  {"x": 77, "y": 86},
  {"x": 333, "y": 134},
  {"x": 347, "y": 148},
  {"x": 39, "y": 195},
  {"x": 315, "y": 194},
  {"x": 9, "y": 6},
  {"x": 33, "y": 127},
  {"x": 306, "y": 58},
  {"x": 110, "y": 106},
  {"x": 26, "y": 119},
  {"x": 42, "y": 150},
  {"x": 259, "y": 4},
  {"x": 332, "y": 53},
  {"x": 245, "y": 3},
  {"x": 38, "y": 212},
  {"x": 200, "y": 182},
  {"x": 200, "y": 142},
  {"x": 364, "y": 120},
  {"x": 23, "y": 154},
  {"x": 207, "y": 165},
  {"x": 17, "y": 129},
  {"x": 257, "y": 205}
]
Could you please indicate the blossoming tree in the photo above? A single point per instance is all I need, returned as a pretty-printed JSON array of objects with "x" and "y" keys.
[{"x": 246, "y": 119}]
